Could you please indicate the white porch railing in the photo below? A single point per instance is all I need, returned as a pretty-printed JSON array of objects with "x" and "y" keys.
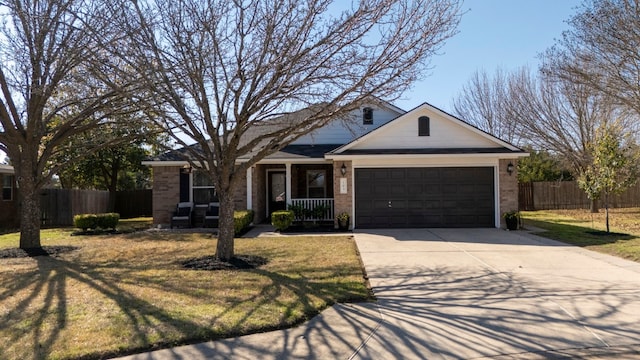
[{"x": 310, "y": 206}]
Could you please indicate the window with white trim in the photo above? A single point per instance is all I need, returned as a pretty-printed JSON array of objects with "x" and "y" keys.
[
  {"x": 316, "y": 183},
  {"x": 7, "y": 187},
  {"x": 203, "y": 188}
]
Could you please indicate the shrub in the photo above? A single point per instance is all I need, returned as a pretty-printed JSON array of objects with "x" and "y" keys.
[
  {"x": 85, "y": 221},
  {"x": 282, "y": 219},
  {"x": 299, "y": 211},
  {"x": 95, "y": 221},
  {"x": 108, "y": 220},
  {"x": 242, "y": 220},
  {"x": 320, "y": 211}
]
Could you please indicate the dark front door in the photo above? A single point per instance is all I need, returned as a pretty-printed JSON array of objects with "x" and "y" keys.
[
  {"x": 425, "y": 197},
  {"x": 277, "y": 191}
]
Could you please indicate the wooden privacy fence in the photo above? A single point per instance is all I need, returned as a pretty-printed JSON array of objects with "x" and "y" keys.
[
  {"x": 58, "y": 206},
  {"x": 134, "y": 203},
  {"x": 547, "y": 195}
]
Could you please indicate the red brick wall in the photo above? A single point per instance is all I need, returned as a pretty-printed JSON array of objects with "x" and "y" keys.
[
  {"x": 342, "y": 202},
  {"x": 166, "y": 193},
  {"x": 508, "y": 187}
]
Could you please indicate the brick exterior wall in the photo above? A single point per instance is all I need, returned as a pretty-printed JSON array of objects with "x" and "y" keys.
[
  {"x": 508, "y": 187},
  {"x": 240, "y": 197},
  {"x": 166, "y": 190},
  {"x": 258, "y": 189},
  {"x": 342, "y": 202},
  {"x": 166, "y": 193}
]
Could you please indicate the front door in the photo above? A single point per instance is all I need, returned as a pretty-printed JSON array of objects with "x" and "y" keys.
[{"x": 277, "y": 191}]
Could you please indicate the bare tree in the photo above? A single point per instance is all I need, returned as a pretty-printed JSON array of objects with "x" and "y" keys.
[
  {"x": 49, "y": 91},
  {"x": 483, "y": 101},
  {"x": 602, "y": 50},
  {"x": 559, "y": 116},
  {"x": 234, "y": 76}
]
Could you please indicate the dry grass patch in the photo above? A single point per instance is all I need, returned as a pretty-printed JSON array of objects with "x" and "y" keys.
[
  {"x": 122, "y": 293},
  {"x": 581, "y": 228}
]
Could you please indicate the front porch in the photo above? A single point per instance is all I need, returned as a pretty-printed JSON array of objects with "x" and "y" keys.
[{"x": 307, "y": 189}]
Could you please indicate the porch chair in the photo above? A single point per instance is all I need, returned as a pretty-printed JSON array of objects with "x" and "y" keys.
[
  {"x": 212, "y": 215},
  {"x": 182, "y": 215}
]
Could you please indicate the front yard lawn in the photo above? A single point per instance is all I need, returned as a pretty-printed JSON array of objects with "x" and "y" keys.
[
  {"x": 581, "y": 228},
  {"x": 118, "y": 294}
]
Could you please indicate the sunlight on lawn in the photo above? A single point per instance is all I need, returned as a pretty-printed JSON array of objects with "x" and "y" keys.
[
  {"x": 582, "y": 228},
  {"x": 130, "y": 292}
]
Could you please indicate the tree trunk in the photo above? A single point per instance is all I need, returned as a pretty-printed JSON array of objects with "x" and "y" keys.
[
  {"x": 594, "y": 206},
  {"x": 29, "y": 217},
  {"x": 606, "y": 210},
  {"x": 226, "y": 231},
  {"x": 113, "y": 184}
]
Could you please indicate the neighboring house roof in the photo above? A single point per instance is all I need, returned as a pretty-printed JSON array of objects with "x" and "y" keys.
[{"x": 6, "y": 169}]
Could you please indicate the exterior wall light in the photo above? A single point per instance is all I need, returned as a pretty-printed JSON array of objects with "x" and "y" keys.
[
  {"x": 510, "y": 168},
  {"x": 343, "y": 169}
]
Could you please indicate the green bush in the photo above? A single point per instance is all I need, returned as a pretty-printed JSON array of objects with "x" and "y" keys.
[
  {"x": 85, "y": 221},
  {"x": 108, "y": 220},
  {"x": 242, "y": 220},
  {"x": 299, "y": 211},
  {"x": 95, "y": 221},
  {"x": 282, "y": 219}
]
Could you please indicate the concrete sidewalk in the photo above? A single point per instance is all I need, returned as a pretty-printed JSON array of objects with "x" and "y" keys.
[
  {"x": 463, "y": 294},
  {"x": 337, "y": 333}
]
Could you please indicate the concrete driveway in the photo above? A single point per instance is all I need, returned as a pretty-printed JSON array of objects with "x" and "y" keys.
[{"x": 474, "y": 293}]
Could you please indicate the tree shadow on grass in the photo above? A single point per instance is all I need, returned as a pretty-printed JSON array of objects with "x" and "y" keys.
[
  {"x": 47, "y": 299},
  {"x": 578, "y": 235},
  {"x": 48, "y": 285},
  {"x": 447, "y": 312}
]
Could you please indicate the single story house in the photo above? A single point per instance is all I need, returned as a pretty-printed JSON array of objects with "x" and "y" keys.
[
  {"x": 9, "y": 214},
  {"x": 386, "y": 167}
]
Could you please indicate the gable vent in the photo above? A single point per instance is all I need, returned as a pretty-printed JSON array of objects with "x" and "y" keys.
[
  {"x": 423, "y": 126},
  {"x": 367, "y": 116}
]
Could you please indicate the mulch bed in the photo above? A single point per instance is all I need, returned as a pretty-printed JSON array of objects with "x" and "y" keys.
[
  {"x": 12, "y": 253},
  {"x": 238, "y": 262}
]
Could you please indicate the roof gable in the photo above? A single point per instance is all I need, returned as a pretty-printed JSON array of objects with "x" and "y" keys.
[
  {"x": 350, "y": 127},
  {"x": 445, "y": 132}
]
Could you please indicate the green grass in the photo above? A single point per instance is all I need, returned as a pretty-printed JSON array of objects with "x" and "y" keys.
[
  {"x": 581, "y": 228},
  {"x": 124, "y": 293}
]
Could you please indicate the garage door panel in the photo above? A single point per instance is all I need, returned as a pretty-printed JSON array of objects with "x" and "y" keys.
[
  {"x": 397, "y": 189},
  {"x": 425, "y": 197}
]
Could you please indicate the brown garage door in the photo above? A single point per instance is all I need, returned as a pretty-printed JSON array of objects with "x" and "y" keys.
[{"x": 424, "y": 197}]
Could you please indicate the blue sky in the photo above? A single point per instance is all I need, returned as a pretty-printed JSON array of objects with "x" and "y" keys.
[{"x": 492, "y": 33}]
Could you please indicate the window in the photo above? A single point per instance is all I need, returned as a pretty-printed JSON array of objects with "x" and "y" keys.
[
  {"x": 423, "y": 126},
  {"x": 7, "y": 187},
  {"x": 367, "y": 116},
  {"x": 316, "y": 184},
  {"x": 204, "y": 191}
]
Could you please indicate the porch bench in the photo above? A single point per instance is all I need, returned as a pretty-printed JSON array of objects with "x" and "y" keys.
[
  {"x": 182, "y": 215},
  {"x": 212, "y": 215}
]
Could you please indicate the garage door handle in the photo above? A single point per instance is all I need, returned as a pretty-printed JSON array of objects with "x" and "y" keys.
[{"x": 389, "y": 204}]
